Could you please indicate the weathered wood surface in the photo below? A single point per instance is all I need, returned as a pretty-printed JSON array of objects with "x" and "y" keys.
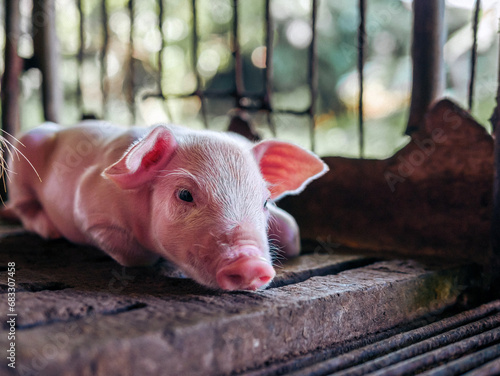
[
  {"x": 433, "y": 197},
  {"x": 80, "y": 313}
]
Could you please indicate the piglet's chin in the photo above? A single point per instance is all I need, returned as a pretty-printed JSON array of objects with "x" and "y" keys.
[{"x": 245, "y": 273}]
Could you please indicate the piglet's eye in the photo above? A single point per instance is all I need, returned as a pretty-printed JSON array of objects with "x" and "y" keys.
[{"x": 185, "y": 195}]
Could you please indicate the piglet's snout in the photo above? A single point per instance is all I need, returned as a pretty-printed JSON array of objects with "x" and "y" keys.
[{"x": 245, "y": 273}]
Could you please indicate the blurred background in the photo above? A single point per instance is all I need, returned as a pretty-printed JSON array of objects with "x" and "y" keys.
[{"x": 100, "y": 86}]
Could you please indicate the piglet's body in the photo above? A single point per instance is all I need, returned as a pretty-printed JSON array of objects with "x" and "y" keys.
[{"x": 201, "y": 199}]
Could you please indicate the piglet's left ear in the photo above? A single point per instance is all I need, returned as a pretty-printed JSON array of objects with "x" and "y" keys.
[
  {"x": 141, "y": 163},
  {"x": 286, "y": 167}
]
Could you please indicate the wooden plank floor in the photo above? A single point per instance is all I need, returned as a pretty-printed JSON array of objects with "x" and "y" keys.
[{"x": 80, "y": 313}]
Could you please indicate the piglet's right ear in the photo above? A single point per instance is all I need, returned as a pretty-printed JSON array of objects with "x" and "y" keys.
[{"x": 142, "y": 161}]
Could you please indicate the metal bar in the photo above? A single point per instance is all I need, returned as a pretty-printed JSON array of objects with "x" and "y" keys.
[
  {"x": 490, "y": 368},
  {"x": 306, "y": 364},
  {"x": 400, "y": 341},
  {"x": 131, "y": 91},
  {"x": 424, "y": 361},
  {"x": 104, "y": 51},
  {"x": 217, "y": 94},
  {"x": 161, "y": 11},
  {"x": 238, "y": 62},
  {"x": 11, "y": 86},
  {"x": 427, "y": 57},
  {"x": 465, "y": 363},
  {"x": 199, "y": 92},
  {"x": 46, "y": 50},
  {"x": 81, "y": 46},
  {"x": 494, "y": 265},
  {"x": 13, "y": 68},
  {"x": 268, "y": 78},
  {"x": 225, "y": 94},
  {"x": 413, "y": 351},
  {"x": 473, "y": 57},
  {"x": 194, "y": 47},
  {"x": 313, "y": 74},
  {"x": 208, "y": 93},
  {"x": 361, "y": 62}
]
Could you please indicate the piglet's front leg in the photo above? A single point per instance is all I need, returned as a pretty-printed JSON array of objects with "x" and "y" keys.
[
  {"x": 283, "y": 232},
  {"x": 34, "y": 218}
]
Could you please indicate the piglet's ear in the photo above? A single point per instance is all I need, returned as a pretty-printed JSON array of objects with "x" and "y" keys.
[
  {"x": 287, "y": 168},
  {"x": 142, "y": 161}
]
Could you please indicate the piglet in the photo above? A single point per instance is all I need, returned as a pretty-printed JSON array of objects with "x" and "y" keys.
[{"x": 201, "y": 199}]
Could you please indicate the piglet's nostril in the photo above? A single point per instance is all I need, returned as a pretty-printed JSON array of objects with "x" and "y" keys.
[
  {"x": 265, "y": 279},
  {"x": 235, "y": 279}
]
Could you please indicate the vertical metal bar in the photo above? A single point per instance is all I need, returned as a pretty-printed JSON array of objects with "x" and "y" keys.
[
  {"x": 161, "y": 11},
  {"x": 10, "y": 84},
  {"x": 131, "y": 92},
  {"x": 13, "y": 68},
  {"x": 361, "y": 62},
  {"x": 104, "y": 51},
  {"x": 268, "y": 78},
  {"x": 194, "y": 51},
  {"x": 238, "y": 63},
  {"x": 312, "y": 74},
  {"x": 473, "y": 57},
  {"x": 427, "y": 57},
  {"x": 199, "y": 91},
  {"x": 46, "y": 49},
  {"x": 495, "y": 223},
  {"x": 81, "y": 46}
]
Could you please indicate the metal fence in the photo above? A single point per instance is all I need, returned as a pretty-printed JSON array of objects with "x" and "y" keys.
[{"x": 43, "y": 29}]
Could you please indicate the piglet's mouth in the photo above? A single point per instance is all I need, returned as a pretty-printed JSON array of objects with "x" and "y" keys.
[{"x": 245, "y": 273}]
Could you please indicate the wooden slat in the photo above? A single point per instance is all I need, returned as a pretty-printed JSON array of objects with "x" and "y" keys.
[{"x": 81, "y": 313}]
